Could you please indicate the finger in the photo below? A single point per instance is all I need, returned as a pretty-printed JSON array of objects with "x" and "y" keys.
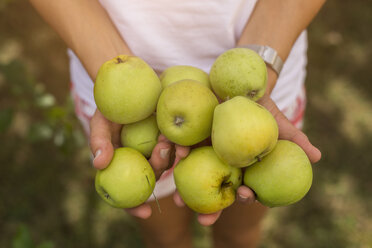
[
  {"x": 160, "y": 157},
  {"x": 172, "y": 154},
  {"x": 178, "y": 200},
  {"x": 303, "y": 141},
  {"x": 143, "y": 211},
  {"x": 245, "y": 195},
  {"x": 100, "y": 140},
  {"x": 288, "y": 131},
  {"x": 162, "y": 138},
  {"x": 209, "y": 219},
  {"x": 181, "y": 152}
]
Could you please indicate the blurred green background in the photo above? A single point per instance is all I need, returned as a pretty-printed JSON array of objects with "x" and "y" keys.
[{"x": 47, "y": 194}]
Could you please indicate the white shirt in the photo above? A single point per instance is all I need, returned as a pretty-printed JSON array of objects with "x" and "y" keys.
[{"x": 189, "y": 32}]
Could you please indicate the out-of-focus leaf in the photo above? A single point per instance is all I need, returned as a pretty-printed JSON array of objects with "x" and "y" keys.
[
  {"x": 56, "y": 113},
  {"x": 39, "y": 88},
  {"x": 46, "y": 100},
  {"x": 39, "y": 132},
  {"x": 22, "y": 239},
  {"x": 15, "y": 75},
  {"x": 79, "y": 137},
  {"x": 6, "y": 117},
  {"x": 59, "y": 139}
]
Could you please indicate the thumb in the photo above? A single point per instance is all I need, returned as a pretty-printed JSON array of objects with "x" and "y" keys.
[{"x": 101, "y": 131}]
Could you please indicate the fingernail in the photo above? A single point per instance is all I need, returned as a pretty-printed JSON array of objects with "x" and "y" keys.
[
  {"x": 243, "y": 198},
  {"x": 96, "y": 155},
  {"x": 164, "y": 153}
]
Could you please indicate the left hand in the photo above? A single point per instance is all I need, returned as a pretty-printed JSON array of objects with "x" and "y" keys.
[{"x": 287, "y": 131}]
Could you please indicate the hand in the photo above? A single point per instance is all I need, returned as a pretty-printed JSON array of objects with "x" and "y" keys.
[
  {"x": 105, "y": 137},
  {"x": 287, "y": 131}
]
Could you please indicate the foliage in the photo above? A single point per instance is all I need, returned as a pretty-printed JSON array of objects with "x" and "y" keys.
[
  {"x": 23, "y": 239},
  {"x": 45, "y": 120}
]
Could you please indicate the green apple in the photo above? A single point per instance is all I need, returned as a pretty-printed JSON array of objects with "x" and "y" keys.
[
  {"x": 239, "y": 72},
  {"x": 128, "y": 181},
  {"x": 243, "y": 131},
  {"x": 180, "y": 72},
  {"x": 282, "y": 177},
  {"x": 185, "y": 112},
  {"x": 141, "y": 135},
  {"x": 206, "y": 183},
  {"x": 126, "y": 89}
]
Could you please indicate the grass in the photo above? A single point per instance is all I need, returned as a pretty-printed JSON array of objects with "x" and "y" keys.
[{"x": 47, "y": 194}]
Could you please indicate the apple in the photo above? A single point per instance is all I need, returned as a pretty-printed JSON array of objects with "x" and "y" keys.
[
  {"x": 281, "y": 178},
  {"x": 126, "y": 89},
  {"x": 239, "y": 72},
  {"x": 206, "y": 183},
  {"x": 243, "y": 131},
  {"x": 180, "y": 72},
  {"x": 127, "y": 181},
  {"x": 185, "y": 112},
  {"x": 141, "y": 135}
]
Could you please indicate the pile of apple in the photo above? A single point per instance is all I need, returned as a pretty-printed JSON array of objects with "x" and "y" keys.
[{"x": 182, "y": 105}]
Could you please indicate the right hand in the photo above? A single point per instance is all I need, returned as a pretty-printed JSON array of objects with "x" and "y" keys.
[{"x": 105, "y": 137}]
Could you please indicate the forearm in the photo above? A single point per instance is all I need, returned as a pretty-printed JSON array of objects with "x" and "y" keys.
[
  {"x": 86, "y": 28},
  {"x": 278, "y": 24}
]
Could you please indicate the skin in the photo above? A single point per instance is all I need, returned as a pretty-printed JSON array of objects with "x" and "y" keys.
[{"x": 273, "y": 23}]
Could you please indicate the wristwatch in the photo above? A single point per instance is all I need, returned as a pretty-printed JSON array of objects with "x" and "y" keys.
[{"x": 269, "y": 55}]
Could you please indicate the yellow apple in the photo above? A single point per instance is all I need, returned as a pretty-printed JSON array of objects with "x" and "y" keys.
[
  {"x": 141, "y": 135},
  {"x": 205, "y": 183},
  {"x": 127, "y": 181},
  {"x": 126, "y": 89},
  {"x": 239, "y": 72},
  {"x": 185, "y": 112},
  {"x": 281, "y": 178},
  {"x": 243, "y": 131}
]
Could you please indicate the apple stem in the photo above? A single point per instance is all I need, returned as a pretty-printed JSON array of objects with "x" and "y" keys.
[
  {"x": 252, "y": 93},
  {"x": 119, "y": 60},
  {"x": 178, "y": 121}
]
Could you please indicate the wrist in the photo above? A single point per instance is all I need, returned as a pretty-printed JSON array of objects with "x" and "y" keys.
[
  {"x": 272, "y": 77},
  {"x": 268, "y": 54}
]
